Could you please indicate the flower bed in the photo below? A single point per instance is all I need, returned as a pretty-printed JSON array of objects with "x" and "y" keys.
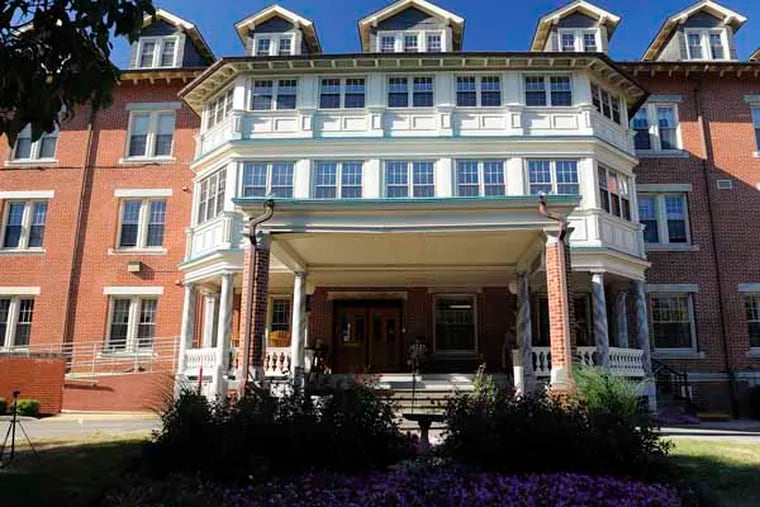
[{"x": 444, "y": 486}]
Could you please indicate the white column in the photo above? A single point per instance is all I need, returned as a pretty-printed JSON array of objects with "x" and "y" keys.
[
  {"x": 621, "y": 318},
  {"x": 525, "y": 377},
  {"x": 298, "y": 331},
  {"x": 224, "y": 328},
  {"x": 600, "y": 321},
  {"x": 209, "y": 319},
  {"x": 186, "y": 335},
  {"x": 642, "y": 337}
]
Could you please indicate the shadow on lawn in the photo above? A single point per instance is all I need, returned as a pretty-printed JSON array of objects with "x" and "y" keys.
[
  {"x": 719, "y": 483},
  {"x": 71, "y": 476}
]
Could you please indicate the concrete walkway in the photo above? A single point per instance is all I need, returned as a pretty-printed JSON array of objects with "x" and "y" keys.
[
  {"x": 738, "y": 429},
  {"x": 81, "y": 425}
]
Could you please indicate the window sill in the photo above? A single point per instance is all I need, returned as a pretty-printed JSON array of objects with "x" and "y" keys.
[
  {"x": 137, "y": 251},
  {"x": 147, "y": 160},
  {"x": 753, "y": 353},
  {"x": 675, "y": 247},
  {"x": 662, "y": 153},
  {"x": 22, "y": 251},
  {"x": 756, "y": 154},
  {"x": 31, "y": 162},
  {"x": 678, "y": 354}
]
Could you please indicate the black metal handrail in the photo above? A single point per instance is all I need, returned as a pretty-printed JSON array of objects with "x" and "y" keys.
[{"x": 671, "y": 381}]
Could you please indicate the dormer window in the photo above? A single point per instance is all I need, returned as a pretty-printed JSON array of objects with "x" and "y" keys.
[
  {"x": 705, "y": 44},
  {"x": 410, "y": 43},
  {"x": 428, "y": 41},
  {"x": 273, "y": 44},
  {"x": 157, "y": 52},
  {"x": 579, "y": 40},
  {"x": 434, "y": 43}
]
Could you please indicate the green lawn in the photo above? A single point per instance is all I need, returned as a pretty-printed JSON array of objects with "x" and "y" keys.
[
  {"x": 724, "y": 473},
  {"x": 73, "y": 475}
]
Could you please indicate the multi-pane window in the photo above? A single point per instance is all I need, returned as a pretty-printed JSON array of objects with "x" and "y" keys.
[
  {"x": 342, "y": 179},
  {"x": 132, "y": 324},
  {"x": 752, "y": 306},
  {"x": 387, "y": 44},
  {"x": 656, "y": 127},
  {"x": 142, "y": 223},
  {"x": 672, "y": 318},
  {"x": 411, "y": 43},
  {"x": 285, "y": 47},
  {"x": 24, "y": 224},
  {"x": 548, "y": 91},
  {"x": 41, "y": 149},
  {"x": 415, "y": 92},
  {"x": 434, "y": 43},
  {"x": 455, "y": 328},
  {"x": 606, "y": 103},
  {"x": 211, "y": 191},
  {"x": 15, "y": 321},
  {"x": 219, "y": 108},
  {"x": 273, "y": 45},
  {"x": 553, "y": 177},
  {"x": 262, "y": 46},
  {"x": 268, "y": 94},
  {"x": 665, "y": 218},
  {"x": 279, "y": 322},
  {"x": 614, "y": 193},
  {"x": 578, "y": 40},
  {"x": 151, "y": 134},
  {"x": 474, "y": 91},
  {"x": 409, "y": 178},
  {"x": 756, "y": 125},
  {"x": 263, "y": 179},
  {"x": 154, "y": 52},
  {"x": 337, "y": 93},
  {"x": 480, "y": 178},
  {"x": 567, "y": 40},
  {"x": 705, "y": 44},
  {"x": 589, "y": 43}
]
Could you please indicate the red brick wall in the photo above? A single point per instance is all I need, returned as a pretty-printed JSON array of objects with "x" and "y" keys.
[
  {"x": 37, "y": 377},
  {"x": 140, "y": 391}
]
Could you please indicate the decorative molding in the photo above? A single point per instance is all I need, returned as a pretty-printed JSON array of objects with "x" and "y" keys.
[
  {"x": 133, "y": 291},
  {"x": 142, "y": 192},
  {"x": 670, "y": 99},
  {"x": 672, "y": 287},
  {"x": 27, "y": 194},
  {"x": 334, "y": 295},
  {"x": 749, "y": 287},
  {"x": 664, "y": 187},
  {"x": 20, "y": 291},
  {"x": 153, "y": 106}
]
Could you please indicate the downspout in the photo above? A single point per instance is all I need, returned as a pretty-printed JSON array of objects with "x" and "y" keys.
[
  {"x": 707, "y": 147},
  {"x": 253, "y": 224},
  {"x": 85, "y": 193}
]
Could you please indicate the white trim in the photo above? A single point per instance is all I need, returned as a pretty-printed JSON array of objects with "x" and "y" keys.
[
  {"x": 704, "y": 42},
  {"x": 579, "y": 39},
  {"x": 274, "y": 43},
  {"x": 672, "y": 287},
  {"x": 664, "y": 187},
  {"x": 152, "y": 106},
  {"x": 653, "y": 128},
  {"x": 27, "y": 194},
  {"x": 150, "y": 136},
  {"x": 661, "y": 217},
  {"x": 142, "y": 192},
  {"x": 134, "y": 290},
  {"x": 19, "y": 291},
  {"x": 158, "y": 50},
  {"x": 749, "y": 287}
]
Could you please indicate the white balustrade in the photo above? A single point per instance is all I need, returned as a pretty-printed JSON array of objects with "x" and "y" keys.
[
  {"x": 586, "y": 356},
  {"x": 623, "y": 362},
  {"x": 277, "y": 361},
  {"x": 220, "y": 233},
  {"x": 626, "y": 362},
  {"x": 197, "y": 359}
]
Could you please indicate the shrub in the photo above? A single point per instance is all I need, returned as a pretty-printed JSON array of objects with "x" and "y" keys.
[
  {"x": 28, "y": 407},
  {"x": 3, "y": 405}
]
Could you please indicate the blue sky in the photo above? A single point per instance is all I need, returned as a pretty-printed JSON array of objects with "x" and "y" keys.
[{"x": 491, "y": 25}]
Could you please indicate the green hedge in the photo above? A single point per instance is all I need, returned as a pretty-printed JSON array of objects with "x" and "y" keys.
[{"x": 28, "y": 407}]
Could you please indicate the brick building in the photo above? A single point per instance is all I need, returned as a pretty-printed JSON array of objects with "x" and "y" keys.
[{"x": 123, "y": 246}]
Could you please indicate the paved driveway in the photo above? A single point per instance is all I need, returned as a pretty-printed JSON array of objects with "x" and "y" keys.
[{"x": 80, "y": 426}]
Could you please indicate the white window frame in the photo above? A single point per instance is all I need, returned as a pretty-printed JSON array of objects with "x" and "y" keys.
[
  {"x": 691, "y": 350},
  {"x": 131, "y": 346},
  {"x": 623, "y": 193},
  {"x": 7, "y": 340},
  {"x": 481, "y": 175},
  {"x": 663, "y": 234},
  {"x": 409, "y": 178},
  {"x": 274, "y": 103},
  {"x": 26, "y": 224},
  {"x": 219, "y": 179},
  {"x": 547, "y": 88},
  {"x": 222, "y": 100},
  {"x": 338, "y": 178},
  {"x": 270, "y": 170},
  {"x": 142, "y": 226},
  {"x": 479, "y": 89},
  {"x": 342, "y": 92},
  {"x": 422, "y": 39},
  {"x": 613, "y": 99},
  {"x": 158, "y": 50},
  {"x": 553, "y": 173},
  {"x": 704, "y": 39},
  {"x": 35, "y": 150},
  {"x": 409, "y": 91},
  {"x": 474, "y": 299},
  {"x": 754, "y": 299},
  {"x": 274, "y": 43},
  {"x": 150, "y": 142},
  {"x": 578, "y": 34},
  {"x": 655, "y": 139}
]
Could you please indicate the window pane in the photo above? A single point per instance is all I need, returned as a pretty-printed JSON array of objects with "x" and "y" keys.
[
  {"x": 13, "y": 224},
  {"x": 398, "y": 95},
  {"x": 354, "y": 93},
  {"x": 167, "y": 53},
  {"x": 467, "y": 178},
  {"x": 455, "y": 323},
  {"x": 606, "y": 108},
  {"x": 589, "y": 43},
  {"x": 138, "y": 141},
  {"x": 466, "y": 93},
  {"x": 615, "y": 109},
  {"x": 262, "y": 95},
  {"x": 130, "y": 222},
  {"x": 694, "y": 40},
  {"x": 716, "y": 47},
  {"x": 671, "y": 321},
  {"x": 254, "y": 179},
  {"x": 262, "y": 47},
  {"x": 282, "y": 179},
  {"x": 397, "y": 179},
  {"x": 422, "y": 174},
  {"x": 540, "y": 176},
  {"x": 280, "y": 315},
  {"x": 434, "y": 43},
  {"x": 561, "y": 92},
  {"x": 567, "y": 177},
  {"x": 675, "y": 210},
  {"x": 411, "y": 43},
  {"x": 351, "y": 180},
  {"x": 325, "y": 180},
  {"x": 285, "y": 47},
  {"x": 146, "y": 54},
  {"x": 23, "y": 148},
  {"x": 286, "y": 93},
  {"x": 568, "y": 41},
  {"x": 752, "y": 304},
  {"x": 535, "y": 91},
  {"x": 329, "y": 94},
  {"x": 493, "y": 177},
  {"x": 221, "y": 183},
  {"x": 117, "y": 338},
  {"x": 667, "y": 126},
  {"x": 24, "y": 324},
  {"x": 640, "y": 123},
  {"x": 165, "y": 135},
  {"x": 146, "y": 329},
  {"x": 490, "y": 91},
  {"x": 648, "y": 218},
  {"x": 387, "y": 44},
  {"x": 596, "y": 98},
  {"x": 422, "y": 95},
  {"x": 47, "y": 145},
  {"x": 37, "y": 231},
  {"x": 156, "y": 223}
]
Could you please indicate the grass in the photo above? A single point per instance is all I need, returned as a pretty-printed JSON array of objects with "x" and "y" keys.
[
  {"x": 75, "y": 474},
  {"x": 724, "y": 473}
]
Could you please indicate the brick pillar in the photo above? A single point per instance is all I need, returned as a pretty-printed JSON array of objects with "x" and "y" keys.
[
  {"x": 253, "y": 317},
  {"x": 561, "y": 311}
]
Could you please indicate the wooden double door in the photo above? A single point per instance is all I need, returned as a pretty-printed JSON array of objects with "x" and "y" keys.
[{"x": 367, "y": 337}]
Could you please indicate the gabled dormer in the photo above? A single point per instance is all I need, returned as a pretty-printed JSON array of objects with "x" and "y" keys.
[
  {"x": 578, "y": 27},
  {"x": 276, "y": 31},
  {"x": 703, "y": 32},
  {"x": 755, "y": 57},
  {"x": 168, "y": 41},
  {"x": 411, "y": 26}
]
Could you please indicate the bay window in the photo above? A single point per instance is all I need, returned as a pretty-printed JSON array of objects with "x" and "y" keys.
[
  {"x": 548, "y": 91},
  {"x": 342, "y": 93},
  {"x": 211, "y": 195},
  {"x": 269, "y": 94},
  {"x": 219, "y": 108},
  {"x": 24, "y": 224},
  {"x": 553, "y": 177},
  {"x": 478, "y": 91},
  {"x": 480, "y": 178},
  {"x": 607, "y": 104},
  {"x": 341, "y": 179},
  {"x": 263, "y": 179},
  {"x": 409, "y": 179},
  {"x": 16, "y": 314},
  {"x": 614, "y": 193}
]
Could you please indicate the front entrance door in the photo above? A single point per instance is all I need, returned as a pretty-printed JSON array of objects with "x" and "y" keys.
[{"x": 367, "y": 337}]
